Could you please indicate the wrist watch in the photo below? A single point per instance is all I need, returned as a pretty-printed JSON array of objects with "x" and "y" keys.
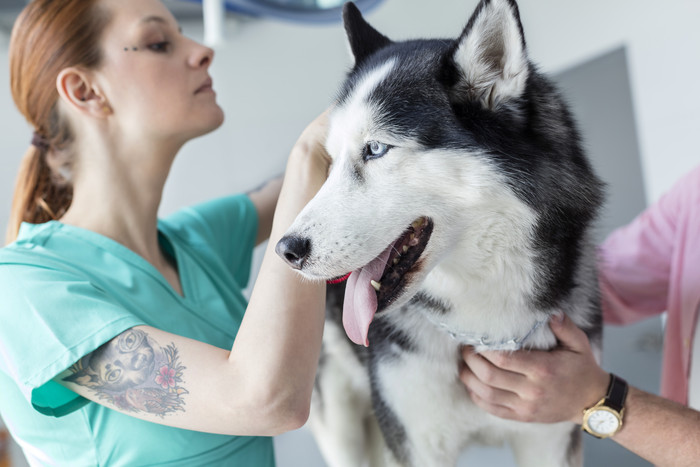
[{"x": 605, "y": 418}]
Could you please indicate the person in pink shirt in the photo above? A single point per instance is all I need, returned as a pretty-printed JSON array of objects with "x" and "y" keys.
[{"x": 647, "y": 267}]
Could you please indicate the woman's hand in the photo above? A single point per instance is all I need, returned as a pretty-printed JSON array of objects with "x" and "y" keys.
[
  {"x": 310, "y": 148},
  {"x": 537, "y": 386},
  {"x": 307, "y": 170},
  {"x": 308, "y": 157}
]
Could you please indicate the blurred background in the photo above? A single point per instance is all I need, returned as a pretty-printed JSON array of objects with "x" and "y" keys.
[{"x": 629, "y": 69}]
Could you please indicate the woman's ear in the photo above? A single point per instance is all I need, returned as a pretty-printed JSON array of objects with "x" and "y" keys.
[{"x": 79, "y": 92}]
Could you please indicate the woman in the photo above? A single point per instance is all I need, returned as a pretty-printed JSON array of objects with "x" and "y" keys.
[
  {"x": 650, "y": 266},
  {"x": 118, "y": 328}
]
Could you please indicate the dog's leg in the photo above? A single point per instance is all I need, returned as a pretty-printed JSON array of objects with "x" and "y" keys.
[
  {"x": 377, "y": 450},
  {"x": 421, "y": 411},
  {"x": 336, "y": 421},
  {"x": 556, "y": 445},
  {"x": 341, "y": 402}
]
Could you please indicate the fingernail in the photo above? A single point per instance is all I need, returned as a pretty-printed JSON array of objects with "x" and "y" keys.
[{"x": 558, "y": 317}]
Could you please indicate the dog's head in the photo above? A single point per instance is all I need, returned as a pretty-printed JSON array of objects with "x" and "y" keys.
[{"x": 435, "y": 145}]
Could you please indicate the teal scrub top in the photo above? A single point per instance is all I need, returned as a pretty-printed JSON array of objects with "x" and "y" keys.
[{"x": 64, "y": 291}]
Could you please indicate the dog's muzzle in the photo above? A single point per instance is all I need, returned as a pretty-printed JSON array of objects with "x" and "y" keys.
[{"x": 294, "y": 250}]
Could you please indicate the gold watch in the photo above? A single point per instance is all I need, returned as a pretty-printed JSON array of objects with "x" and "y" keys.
[{"x": 605, "y": 418}]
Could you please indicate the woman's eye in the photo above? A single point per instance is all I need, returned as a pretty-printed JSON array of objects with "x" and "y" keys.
[
  {"x": 160, "y": 46},
  {"x": 374, "y": 150}
]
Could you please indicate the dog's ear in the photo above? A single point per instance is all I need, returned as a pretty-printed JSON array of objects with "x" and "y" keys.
[
  {"x": 363, "y": 39},
  {"x": 490, "y": 55}
]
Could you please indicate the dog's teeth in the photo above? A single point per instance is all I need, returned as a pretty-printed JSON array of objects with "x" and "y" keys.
[
  {"x": 417, "y": 223},
  {"x": 405, "y": 248},
  {"x": 376, "y": 285},
  {"x": 396, "y": 260}
]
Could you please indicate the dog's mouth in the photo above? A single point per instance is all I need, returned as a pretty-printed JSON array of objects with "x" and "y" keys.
[{"x": 376, "y": 285}]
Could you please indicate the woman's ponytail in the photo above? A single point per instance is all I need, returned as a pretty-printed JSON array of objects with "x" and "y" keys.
[
  {"x": 38, "y": 196},
  {"x": 48, "y": 37}
]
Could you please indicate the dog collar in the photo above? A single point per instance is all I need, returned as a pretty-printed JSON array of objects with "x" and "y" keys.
[
  {"x": 338, "y": 280},
  {"x": 482, "y": 341}
]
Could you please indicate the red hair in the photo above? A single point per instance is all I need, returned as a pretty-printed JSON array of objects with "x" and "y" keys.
[{"x": 48, "y": 36}]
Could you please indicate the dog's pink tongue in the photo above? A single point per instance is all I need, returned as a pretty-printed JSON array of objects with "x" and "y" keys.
[{"x": 360, "y": 302}]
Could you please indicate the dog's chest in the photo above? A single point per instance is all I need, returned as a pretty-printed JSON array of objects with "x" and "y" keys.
[{"x": 428, "y": 364}]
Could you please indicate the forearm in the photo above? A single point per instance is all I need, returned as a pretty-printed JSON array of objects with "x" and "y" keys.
[
  {"x": 278, "y": 345},
  {"x": 663, "y": 432}
]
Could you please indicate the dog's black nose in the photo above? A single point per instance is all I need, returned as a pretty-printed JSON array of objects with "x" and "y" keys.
[{"x": 294, "y": 250}]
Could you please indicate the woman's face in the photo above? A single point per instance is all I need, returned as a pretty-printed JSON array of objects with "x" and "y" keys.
[{"x": 155, "y": 80}]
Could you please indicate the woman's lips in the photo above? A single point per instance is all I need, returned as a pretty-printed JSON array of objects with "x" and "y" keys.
[{"x": 206, "y": 87}]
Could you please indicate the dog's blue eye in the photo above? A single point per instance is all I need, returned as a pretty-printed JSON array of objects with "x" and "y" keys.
[{"x": 374, "y": 150}]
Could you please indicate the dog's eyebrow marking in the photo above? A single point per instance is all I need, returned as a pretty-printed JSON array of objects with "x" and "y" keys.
[
  {"x": 356, "y": 115},
  {"x": 370, "y": 81}
]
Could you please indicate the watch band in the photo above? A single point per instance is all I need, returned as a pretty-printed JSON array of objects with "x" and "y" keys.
[{"x": 617, "y": 393}]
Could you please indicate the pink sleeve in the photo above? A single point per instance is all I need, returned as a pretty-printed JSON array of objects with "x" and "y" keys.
[{"x": 635, "y": 263}]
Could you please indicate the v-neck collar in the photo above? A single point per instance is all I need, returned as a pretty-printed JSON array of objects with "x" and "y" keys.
[{"x": 121, "y": 251}]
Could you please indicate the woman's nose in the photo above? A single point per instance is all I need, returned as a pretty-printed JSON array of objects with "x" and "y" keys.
[{"x": 202, "y": 57}]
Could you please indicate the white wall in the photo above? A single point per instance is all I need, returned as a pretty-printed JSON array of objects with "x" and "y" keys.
[{"x": 273, "y": 77}]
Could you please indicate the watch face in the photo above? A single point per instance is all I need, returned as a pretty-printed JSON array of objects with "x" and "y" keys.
[{"x": 603, "y": 422}]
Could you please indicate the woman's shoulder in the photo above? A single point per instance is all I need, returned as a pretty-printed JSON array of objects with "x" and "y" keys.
[
  {"x": 57, "y": 253},
  {"x": 30, "y": 247},
  {"x": 210, "y": 222}
]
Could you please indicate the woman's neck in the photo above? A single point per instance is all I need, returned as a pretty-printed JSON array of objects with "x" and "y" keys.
[{"x": 121, "y": 201}]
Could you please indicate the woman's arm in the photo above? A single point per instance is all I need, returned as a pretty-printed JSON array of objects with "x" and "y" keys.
[
  {"x": 263, "y": 385},
  {"x": 278, "y": 344},
  {"x": 265, "y": 199},
  {"x": 171, "y": 380},
  {"x": 557, "y": 385}
]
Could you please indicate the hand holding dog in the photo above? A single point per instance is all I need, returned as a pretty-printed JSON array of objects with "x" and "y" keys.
[
  {"x": 307, "y": 169},
  {"x": 537, "y": 386},
  {"x": 310, "y": 148}
]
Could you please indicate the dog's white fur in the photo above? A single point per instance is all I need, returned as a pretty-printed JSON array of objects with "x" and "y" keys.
[
  {"x": 365, "y": 218},
  {"x": 480, "y": 255}
]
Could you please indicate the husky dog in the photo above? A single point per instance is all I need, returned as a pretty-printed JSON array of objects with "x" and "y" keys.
[{"x": 460, "y": 198}]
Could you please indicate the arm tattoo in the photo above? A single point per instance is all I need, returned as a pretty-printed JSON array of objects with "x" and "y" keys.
[{"x": 133, "y": 373}]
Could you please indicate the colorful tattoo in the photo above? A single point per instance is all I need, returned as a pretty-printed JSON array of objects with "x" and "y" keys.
[{"x": 133, "y": 373}]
